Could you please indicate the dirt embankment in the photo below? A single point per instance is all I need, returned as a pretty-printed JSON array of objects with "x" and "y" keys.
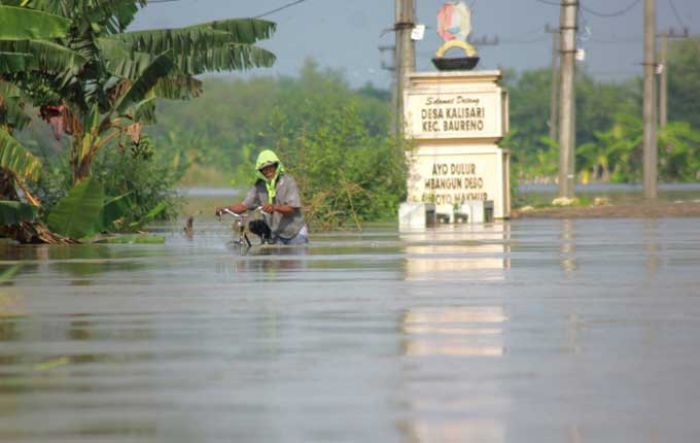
[{"x": 626, "y": 210}]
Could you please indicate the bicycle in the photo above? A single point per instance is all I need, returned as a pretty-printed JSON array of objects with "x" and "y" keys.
[
  {"x": 242, "y": 227},
  {"x": 239, "y": 227}
]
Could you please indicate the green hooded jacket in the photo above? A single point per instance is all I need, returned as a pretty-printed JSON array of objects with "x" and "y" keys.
[{"x": 265, "y": 158}]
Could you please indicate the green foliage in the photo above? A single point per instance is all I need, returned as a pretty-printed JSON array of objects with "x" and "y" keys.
[
  {"x": 12, "y": 113},
  {"x": 14, "y": 212},
  {"x": 679, "y": 152},
  {"x": 15, "y": 158},
  {"x": 99, "y": 80},
  {"x": 615, "y": 154},
  {"x": 7, "y": 274},
  {"x": 74, "y": 61},
  {"x": 244, "y": 172},
  {"x": 234, "y": 119},
  {"x": 332, "y": 139},
  {"x": 26, "y": 24},
  {"x": 529, "y": 112},
  {"x": 133, "y": 239},
  {"x": 139, "y": 184},
  {"x": 346, "y": 175},
  {"x": 684, "y": 81},
  {"x": 78, "y": 215},
  {"x": 609, "y": 128}
]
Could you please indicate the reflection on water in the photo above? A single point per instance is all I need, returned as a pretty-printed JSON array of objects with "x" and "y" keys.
[
  {"x": 532, "y": 330},
  {"x": 469, "y": 252},
  {"x": 455, "y": 331},
  {"x": 652, "y": 248},
  {"x": 460, "y": 333},
  {"x": 568, "y": 247},
  {"x": 472, "y": 430}
]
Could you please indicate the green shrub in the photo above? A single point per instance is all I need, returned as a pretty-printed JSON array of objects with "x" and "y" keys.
[
  {"x": 137, "y": 181},
  {"x": 346, "y": 176}
]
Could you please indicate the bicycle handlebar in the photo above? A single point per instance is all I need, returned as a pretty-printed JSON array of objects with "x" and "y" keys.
[{"x": 236, "y": 215}]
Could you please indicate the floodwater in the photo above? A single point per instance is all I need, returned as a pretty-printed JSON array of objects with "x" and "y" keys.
[{"x": 523, "y": 331}]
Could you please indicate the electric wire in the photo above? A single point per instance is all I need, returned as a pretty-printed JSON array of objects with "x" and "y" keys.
[
  {"x": 623, "y": 11},
  {"x": 675, "y": 13},
  {"x": 288, "y": 5}
]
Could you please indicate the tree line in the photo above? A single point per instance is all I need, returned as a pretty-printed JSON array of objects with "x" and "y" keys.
[
  {"x": 609, "y": 127},
  {"x": 220, "y": 132}
]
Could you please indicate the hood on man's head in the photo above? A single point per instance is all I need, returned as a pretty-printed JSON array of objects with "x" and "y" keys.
[{"x": 266, "y": 158}]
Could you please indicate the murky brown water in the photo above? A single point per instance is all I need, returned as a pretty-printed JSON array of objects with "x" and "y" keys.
[{"x": 533, "y": 330}]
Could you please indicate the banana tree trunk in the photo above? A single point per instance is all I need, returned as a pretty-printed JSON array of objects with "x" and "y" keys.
[
  {"x": 25, "y": 232},
  {"x": 7, "y": 186},
  {"x": 81, "y": 169},
  {"x": 81, "y": 158},
  {"x": 85, "y": 148},
  {"x": 34, "y": 233}
]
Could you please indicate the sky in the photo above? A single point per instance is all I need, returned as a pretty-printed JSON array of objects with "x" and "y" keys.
[{"x": 347, "y": 34}]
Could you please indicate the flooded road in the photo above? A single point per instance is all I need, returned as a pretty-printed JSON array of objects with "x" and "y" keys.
[{"x": 530, "y": 330}]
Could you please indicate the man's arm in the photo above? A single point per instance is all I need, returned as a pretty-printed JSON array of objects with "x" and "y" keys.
[
  {"x": 238, "y": 208},
  {"x": 282, "y": 209}
]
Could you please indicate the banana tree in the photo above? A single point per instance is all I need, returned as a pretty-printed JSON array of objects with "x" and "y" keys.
[
  {"x": 106, "y": 82},
  {"x": 679, "y": 152},
  {"x": 21, "y": 33}
]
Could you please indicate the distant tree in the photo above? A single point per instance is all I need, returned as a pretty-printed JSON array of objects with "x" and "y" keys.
[
  {"x": 243, "y": 115},
  {"x": 684, "y": 81}
]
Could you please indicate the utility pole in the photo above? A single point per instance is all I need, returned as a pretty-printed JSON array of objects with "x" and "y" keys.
[
  {"x": 405, "y": 56},
  {"x": 649, "y": 114},
  {"x": 553, "y": 120},
  {"x": 567, "y": 119}
]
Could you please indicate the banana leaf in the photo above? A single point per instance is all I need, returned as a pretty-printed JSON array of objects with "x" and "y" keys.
[
  {"x": 133, "y": 238},
  {"x": 41, "y": 55},
  {"x": 8, "y": 273},
  {"x": 115, "y": 212},
  {"x": 16, "y": 158},
  {"x": 160, "y": 67},
  {"x": 25, "y": 24},
  {"x": 14, "y": 212},
  {"x": 205, "y": 35},
  {"x": 12, "y": 62},
  {"x": 152, "y": 214},
  {"x": 79, "y": 214}
]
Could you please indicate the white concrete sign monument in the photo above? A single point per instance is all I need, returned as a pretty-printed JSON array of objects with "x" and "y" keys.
[{"x": 456, "y": 118}]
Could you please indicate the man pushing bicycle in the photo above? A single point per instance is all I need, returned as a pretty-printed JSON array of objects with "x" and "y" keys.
[{"x": 277, "y": 195}]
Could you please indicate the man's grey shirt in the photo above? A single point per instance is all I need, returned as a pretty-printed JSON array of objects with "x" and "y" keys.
[{"x": 287, "y": 193}]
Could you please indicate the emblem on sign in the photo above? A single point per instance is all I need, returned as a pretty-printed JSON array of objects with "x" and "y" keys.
[{"x": 454, "y": 27}]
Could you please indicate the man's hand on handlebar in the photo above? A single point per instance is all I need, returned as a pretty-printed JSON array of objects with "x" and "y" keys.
[{"x": 238, "y": 208}]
